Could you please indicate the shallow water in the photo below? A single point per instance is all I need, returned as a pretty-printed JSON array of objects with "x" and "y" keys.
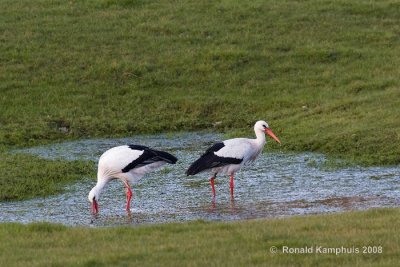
[{"x": 276, "y": 185}]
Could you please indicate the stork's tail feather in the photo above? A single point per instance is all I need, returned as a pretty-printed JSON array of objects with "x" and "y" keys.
[
  {"x": 195, "y": 168},
  {"x": 209, "y": 161},
  {"x": 202, "y": 164},
  {"x": 165, "y": 156}
]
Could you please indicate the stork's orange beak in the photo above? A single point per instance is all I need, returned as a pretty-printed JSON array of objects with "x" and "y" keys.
[
  {"x": 270, "y": 133},
  {"x": 95, "y": 207}
]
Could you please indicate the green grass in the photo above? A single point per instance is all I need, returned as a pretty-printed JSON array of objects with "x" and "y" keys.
[
  {"x": 207, "y": 244},
  {"x": 323, "y": 73},
  {"x": 25, "y": 176}
]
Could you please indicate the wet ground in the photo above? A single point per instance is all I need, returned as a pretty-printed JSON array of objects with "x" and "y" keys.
[{"x": 276, "y": 185}]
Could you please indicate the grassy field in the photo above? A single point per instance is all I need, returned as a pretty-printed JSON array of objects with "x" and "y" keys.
[
  {"x": 34, "y": 177},
  {"x": 323, "y": 73},
  {"x": 208, "y": 244}
]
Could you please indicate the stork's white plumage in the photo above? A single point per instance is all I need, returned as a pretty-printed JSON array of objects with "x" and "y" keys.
[
  {"x": 229, "y": 156},
  {"x": 128, "y": 163}
]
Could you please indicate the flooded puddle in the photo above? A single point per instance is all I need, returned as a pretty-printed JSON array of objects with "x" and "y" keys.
[{"x": 276, "y": 185}]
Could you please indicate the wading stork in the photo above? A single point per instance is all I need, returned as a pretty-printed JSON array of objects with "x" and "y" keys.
[
  {"x": 128, "y": 163},
  {"x": 229, "y": 156}
]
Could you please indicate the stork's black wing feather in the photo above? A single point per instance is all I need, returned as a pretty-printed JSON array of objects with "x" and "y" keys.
[
  {"x": 209, "y": 160},
  {"x": 215, "y": 147},
  {"x": 149, "y": 156}
]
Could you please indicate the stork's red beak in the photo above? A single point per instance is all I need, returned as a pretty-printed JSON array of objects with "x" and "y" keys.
[
  {"x": 95, "y": 207},
  {"x": 270, "y": 133}
]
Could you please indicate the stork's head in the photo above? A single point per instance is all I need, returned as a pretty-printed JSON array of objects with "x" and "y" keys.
[
  {"x": 93, "y": 197},
  {"x": 263, "y": 126}
]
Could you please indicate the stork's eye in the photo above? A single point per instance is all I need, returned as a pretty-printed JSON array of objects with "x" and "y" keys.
[
  {"x": 94, "y": 198},
  {"x": 265, "y": 126}
]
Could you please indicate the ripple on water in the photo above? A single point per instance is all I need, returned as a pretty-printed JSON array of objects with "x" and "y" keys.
[{"x": 276, "y": 185}]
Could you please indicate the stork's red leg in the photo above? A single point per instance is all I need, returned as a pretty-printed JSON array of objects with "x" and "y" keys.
[
  {"x": 128, "y": 196},
  {"x": 212, "y": 185},
  {"x": 231, "y": 185}
]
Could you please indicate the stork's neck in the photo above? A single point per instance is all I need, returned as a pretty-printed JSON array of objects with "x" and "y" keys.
[
  {"x": 99, "y": 186},
  {"x": 260, "y": 140}
]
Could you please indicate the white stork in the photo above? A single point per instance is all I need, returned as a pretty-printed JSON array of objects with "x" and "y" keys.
[
  {"x": 128, "y": 163},
  {"x": 229, "y": 156}
]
